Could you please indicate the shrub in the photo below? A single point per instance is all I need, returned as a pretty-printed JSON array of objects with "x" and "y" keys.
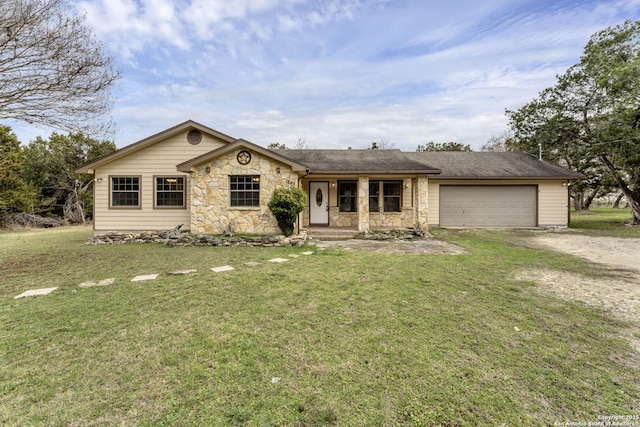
[{"x": 286, "y": 204}]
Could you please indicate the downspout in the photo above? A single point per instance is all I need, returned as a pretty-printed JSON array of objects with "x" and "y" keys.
[
  {"x": 300, "y": 178},
  {"x": 568, "y": 203}
]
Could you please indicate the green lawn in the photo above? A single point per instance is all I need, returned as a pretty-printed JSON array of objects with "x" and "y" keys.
[
  {"x": 604, "y": 221},
  {"x": 355, "y": 338}
]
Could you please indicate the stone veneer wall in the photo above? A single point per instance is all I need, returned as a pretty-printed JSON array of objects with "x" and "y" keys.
[
  {"x": 210, "y": 195},
  {"x": 403, "y": 219}
]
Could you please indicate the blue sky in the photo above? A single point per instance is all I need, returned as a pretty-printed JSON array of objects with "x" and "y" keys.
[{"x": 338, "y": 73}]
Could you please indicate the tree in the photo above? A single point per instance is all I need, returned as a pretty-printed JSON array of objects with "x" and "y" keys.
[
  {"x": 381, "y": 144},
  {"x": 50, "y": 165},
  {"x": 53, "y": 72},
  {"x": 286, "y": 204},
  {"x": 276, "y": 146},
  {"x": 16, "y": 195},
  {"x": 300, "y": 144},
  {"x": 590, "y": 120},
  {"x": 444, "y": 146},
  {"x": 498, "y": 143}
]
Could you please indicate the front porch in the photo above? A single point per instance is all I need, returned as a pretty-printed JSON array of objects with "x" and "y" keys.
[{"x": 344, "y": 206}]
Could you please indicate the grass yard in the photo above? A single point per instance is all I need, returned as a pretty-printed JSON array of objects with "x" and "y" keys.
[
  {"x": 604, "y": 222},
  {"x": 355, "y": 338}
]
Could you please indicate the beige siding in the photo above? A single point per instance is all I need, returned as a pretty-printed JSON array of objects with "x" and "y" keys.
[
  {"x": 553, "y": 204},
  {"x": 159, "y": 159},
  {"x": 552, "y": 199}
]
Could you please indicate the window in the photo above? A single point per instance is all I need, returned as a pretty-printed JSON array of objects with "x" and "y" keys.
[
  {"x": 245, "y": 190},
  {"x": 347, "y": 194},
  {"x": 391, "y": 196},
  {"x": 374, "y": 196},
  {"x": 170, "y": 192},
  {"x": 125, "y": 191}
]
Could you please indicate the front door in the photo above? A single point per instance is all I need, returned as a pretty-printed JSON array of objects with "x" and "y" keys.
[{"x": 319, "y": 203}]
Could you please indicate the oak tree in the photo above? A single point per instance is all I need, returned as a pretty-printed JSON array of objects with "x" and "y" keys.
[{"x": 590, "y": 120}]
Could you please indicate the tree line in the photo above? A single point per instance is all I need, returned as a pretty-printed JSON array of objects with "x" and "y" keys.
[{"x": 39, "y": 178}]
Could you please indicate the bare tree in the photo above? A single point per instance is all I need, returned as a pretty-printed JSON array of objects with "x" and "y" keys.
[
  {"x": 53, "y": 71},
  {"x": 300, "y": 144},
  {"x": 498, "y": 143}
]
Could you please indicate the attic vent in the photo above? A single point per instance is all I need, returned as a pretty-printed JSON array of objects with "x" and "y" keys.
[{"x": 194, "y": 137}]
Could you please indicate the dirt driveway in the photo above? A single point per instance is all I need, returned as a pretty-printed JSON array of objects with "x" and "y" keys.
[{"x": 617, "y": 291}]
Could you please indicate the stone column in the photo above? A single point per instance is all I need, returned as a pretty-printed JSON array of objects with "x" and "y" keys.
[
  {"x": 422, "y": 203},
  {"x": 363, "y": 204}
]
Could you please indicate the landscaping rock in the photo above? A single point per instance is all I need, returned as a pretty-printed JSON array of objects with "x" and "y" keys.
[
  {"x": 221, "y": 269},
  {"x": 105, "y": 282},
  {"x": 36, "y": 292},
  {"x": 175, "y": 238},
  {"x": 145, "y": 277},
  {"x": 252, "y": 264},
  {"x": 181, "y": 272}
]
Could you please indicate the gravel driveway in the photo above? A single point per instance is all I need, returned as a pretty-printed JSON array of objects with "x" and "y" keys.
[{"x": 618, "y": 291}]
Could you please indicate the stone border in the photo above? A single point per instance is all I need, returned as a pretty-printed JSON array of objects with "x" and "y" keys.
[{"x": 175, "y": 238}]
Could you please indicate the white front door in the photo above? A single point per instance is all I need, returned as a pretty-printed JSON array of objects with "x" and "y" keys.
[{"x": 319, "y": 203}]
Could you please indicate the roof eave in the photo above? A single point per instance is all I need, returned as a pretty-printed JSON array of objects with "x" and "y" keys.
[
  {"x": 504, "y": 178},
  {"x": 375, "y": 172}
]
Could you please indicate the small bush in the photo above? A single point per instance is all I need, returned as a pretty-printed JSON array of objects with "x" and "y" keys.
[{"x": 286, "y": 204}]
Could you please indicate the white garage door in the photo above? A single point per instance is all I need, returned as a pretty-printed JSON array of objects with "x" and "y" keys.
[{"x": 488, "y": 205}]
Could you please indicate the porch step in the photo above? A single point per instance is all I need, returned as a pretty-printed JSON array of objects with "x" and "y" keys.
[{"x": 331, "y": 234}]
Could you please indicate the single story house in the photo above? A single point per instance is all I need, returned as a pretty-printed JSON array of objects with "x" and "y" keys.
[{"x": 212, "y": 183}]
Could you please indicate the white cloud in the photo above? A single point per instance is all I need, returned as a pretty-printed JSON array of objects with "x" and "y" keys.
[{"x": 340, "y": 72}]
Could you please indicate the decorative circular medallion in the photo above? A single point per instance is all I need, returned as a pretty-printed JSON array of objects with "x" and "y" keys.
[
  {"x": 194, "y": 137},
  {"x": 244, "y": 157}
]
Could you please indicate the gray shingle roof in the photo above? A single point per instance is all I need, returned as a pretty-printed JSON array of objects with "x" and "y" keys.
[
  {"x": 493, "y": 165},
  {"x": 358, "y": 161},
  {"x": 451, "y": 164}
]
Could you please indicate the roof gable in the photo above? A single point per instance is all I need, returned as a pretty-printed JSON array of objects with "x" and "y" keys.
[
  {"x": 153, "y": 139},
  {"x": 238, "y": 144}
]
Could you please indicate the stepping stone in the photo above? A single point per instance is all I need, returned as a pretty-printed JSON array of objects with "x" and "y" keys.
[
  {"x": 307, "y": 253},
  {"x": 278, "y": 260},
  {"x": 181, "y": 272},
  {"x": 294, "y": 255},
  {"x": 36, "y": 292},
  {"x": 252, "y": 264},
  {"x": 221, "y": 269},
  {"x": 105, "y": 282},
  {"x": 145, "y": 277}
]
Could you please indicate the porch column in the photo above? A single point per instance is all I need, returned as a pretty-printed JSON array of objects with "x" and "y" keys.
[
  {"x": 422, "y": 203},
  {"x": 363, "y": 203}
]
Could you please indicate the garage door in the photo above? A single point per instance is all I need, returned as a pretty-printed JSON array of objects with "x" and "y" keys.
[{"x": 488, "y": 205}]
